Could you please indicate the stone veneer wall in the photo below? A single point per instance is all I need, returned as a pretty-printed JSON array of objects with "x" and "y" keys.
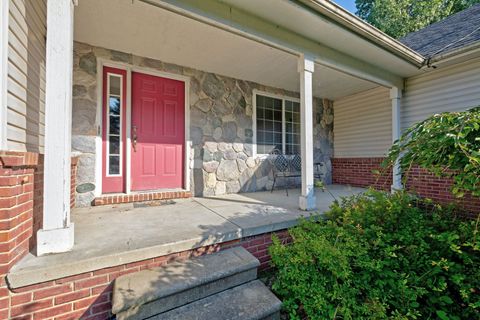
[{"x": 220, "y": 126}]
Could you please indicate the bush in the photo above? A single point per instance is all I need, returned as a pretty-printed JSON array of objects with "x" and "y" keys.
[
  {"x": 446, "y": 144},
  {"x": 380, "y": 256}
]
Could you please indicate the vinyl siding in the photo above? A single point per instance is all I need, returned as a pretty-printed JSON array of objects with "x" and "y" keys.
[
  {"x": 455, "y": 88},
  {"x": 362, "y": 124},
  {"x": 26, "y": 75}
]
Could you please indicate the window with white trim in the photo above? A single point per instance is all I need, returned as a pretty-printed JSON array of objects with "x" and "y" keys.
[
  {"x": 277, "y": 124},
  {"x": 114, "y": 125}
]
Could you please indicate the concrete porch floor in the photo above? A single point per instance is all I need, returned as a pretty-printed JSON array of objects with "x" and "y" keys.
[{"x": 107, "y": 236}]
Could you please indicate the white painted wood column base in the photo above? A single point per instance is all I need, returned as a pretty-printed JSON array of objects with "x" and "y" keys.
[
  {"x": 57, "y": 234},
  {"x": 307, "y": 199},
  {"x": 55, "y": 240},
  {"x": 396, "y": 96}
]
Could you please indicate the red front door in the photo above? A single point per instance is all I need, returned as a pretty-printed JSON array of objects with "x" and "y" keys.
[{"x": 158, "y": 132}]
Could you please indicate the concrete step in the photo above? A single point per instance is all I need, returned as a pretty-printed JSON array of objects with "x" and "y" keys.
[
  {"x": 150, "y": 292},
  {"x": 250, "y": 301}
]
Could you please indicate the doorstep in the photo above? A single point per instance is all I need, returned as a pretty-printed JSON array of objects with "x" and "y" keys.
[{"x": 118, "y": 198}]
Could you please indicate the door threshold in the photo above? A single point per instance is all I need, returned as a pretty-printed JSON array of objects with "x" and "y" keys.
[{"x": 139, "y": 196}]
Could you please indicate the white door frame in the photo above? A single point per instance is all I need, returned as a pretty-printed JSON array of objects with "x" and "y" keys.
[{"x": 101, "y": 63}]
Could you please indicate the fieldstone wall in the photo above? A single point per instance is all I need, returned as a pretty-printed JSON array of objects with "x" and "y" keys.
[{"x": 220, "y": 126}]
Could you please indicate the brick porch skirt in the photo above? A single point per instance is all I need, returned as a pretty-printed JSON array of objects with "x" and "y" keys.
[
  {"x": 358, "y": 172},
  {"x": 89, "y": 295},
  {"x": 21, "y": 210}
]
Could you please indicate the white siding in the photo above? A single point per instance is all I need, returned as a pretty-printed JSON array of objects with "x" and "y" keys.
[
  {"x": 26, "y": 75},
  {"x": 455, "y": 88},
  {"x": 362, "y": 124}
]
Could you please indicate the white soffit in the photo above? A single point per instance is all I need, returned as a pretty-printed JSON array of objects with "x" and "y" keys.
[
  {"x": 312, "y": 26},
  {"x": 144, "y": 30}
]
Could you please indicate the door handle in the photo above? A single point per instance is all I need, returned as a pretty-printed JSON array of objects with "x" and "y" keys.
[{"x": 134, "y": 138}]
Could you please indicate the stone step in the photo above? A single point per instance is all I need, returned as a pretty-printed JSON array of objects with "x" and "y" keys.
[
  {"x": 249, "y": 301},
  {"x": 150, "y": 292}
]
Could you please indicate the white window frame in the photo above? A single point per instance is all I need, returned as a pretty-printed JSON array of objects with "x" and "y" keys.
[
  {"x": 107, "y": 132},
  {"x": 254, "y": 125}
]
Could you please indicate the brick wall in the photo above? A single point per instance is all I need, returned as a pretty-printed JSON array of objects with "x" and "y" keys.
[
  {"x": 358, "y": 172},
  {"x": 16, "y": 206},
  {"x": 37, "y": 201},
  {"x": 89, "y": 295},
  {"x": 21, "y": 211},
  {"x": 438, "y": 189}
]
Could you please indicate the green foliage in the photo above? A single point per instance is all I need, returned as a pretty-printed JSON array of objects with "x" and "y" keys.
[
  {"x": 399, "y": 17},
  {"x": 447, "y": 144},
  {"x": 379, "y": 256}
]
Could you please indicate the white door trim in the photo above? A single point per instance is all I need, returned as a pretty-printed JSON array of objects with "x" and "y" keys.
[{"x": 101, "y": 63}]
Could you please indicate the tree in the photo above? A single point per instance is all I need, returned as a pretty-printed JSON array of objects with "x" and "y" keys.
[{"x": 399, "y": 17}]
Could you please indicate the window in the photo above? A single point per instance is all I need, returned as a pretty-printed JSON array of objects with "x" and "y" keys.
[
  {"x": 278, "y": 124},
  {"x": 114, "y": 124}
]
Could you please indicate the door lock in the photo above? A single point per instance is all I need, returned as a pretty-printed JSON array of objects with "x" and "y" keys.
[{"x": 134, "y": 138}]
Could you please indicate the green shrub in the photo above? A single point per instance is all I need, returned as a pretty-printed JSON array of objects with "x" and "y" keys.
[
  {"x": 446, "y": 144},
  {"x": 380, "y": 256}
]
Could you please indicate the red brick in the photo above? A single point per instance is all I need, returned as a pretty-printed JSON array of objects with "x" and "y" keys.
[
  {"x": 31, "y": 307},
  {"x": 34, "y": 287},
  {"x": 72, "y": 315},
  {"x": 91, "y": 282},
  {"x": 52, "y": 291},
  {"x": 21, "y": 298},
  {"x": 101, "y": 307},
  {"x": 102, "y": 289},
  {"x": 76, "y": 295},
  {"x": 23, "y": 317},
  {"x": 137, "y": 264},
  {"x": 51, "y": 312},
  {"x": 108, "y": 270},
  {"x": 4, "y": 303},
  {"x": 87, "y": 302}
]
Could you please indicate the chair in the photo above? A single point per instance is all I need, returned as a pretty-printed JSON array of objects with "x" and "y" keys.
[{"x": 289, "y": 167}]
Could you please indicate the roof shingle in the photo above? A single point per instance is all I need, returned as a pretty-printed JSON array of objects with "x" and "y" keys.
[{"x": 457, "y": 31}]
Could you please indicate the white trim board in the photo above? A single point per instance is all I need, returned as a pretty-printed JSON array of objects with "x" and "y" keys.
[
  {"x": 4, "y": 12},
  {"x": 101, "y": 63}
]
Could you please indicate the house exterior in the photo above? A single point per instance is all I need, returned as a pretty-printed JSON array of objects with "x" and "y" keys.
[{"x": 106, "y": 102}]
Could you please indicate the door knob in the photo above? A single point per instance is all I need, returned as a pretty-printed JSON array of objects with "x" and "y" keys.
[{"x": 134, "y": 138}]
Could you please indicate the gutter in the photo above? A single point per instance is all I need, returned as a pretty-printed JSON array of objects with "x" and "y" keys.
[
  {"x": 448, "y": 56},
  {"x": 360, "y": 27}
]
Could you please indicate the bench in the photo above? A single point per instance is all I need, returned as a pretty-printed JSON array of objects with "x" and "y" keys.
[{"x": 289, "y": 166}]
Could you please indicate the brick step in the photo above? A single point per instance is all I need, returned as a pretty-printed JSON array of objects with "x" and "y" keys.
[
  {"x": 150, "y": 292},
  {"x": 249, "y": 301},
  {"x": 141, "y": 197}
]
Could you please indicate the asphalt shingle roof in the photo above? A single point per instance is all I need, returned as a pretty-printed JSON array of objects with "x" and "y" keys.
[{"x": 457, "y": 31}]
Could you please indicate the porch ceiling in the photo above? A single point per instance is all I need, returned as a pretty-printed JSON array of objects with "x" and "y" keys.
[{"x": 141, "y": 29}]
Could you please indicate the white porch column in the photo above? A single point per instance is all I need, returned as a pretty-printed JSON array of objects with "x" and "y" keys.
[
  {"x": 307, "y": 199},
  {"x": 57, "y": 232},
  {"x": 396, "y": 96}
]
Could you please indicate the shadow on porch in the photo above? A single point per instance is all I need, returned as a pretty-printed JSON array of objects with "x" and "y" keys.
[{"x": 107, "y": 236}]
